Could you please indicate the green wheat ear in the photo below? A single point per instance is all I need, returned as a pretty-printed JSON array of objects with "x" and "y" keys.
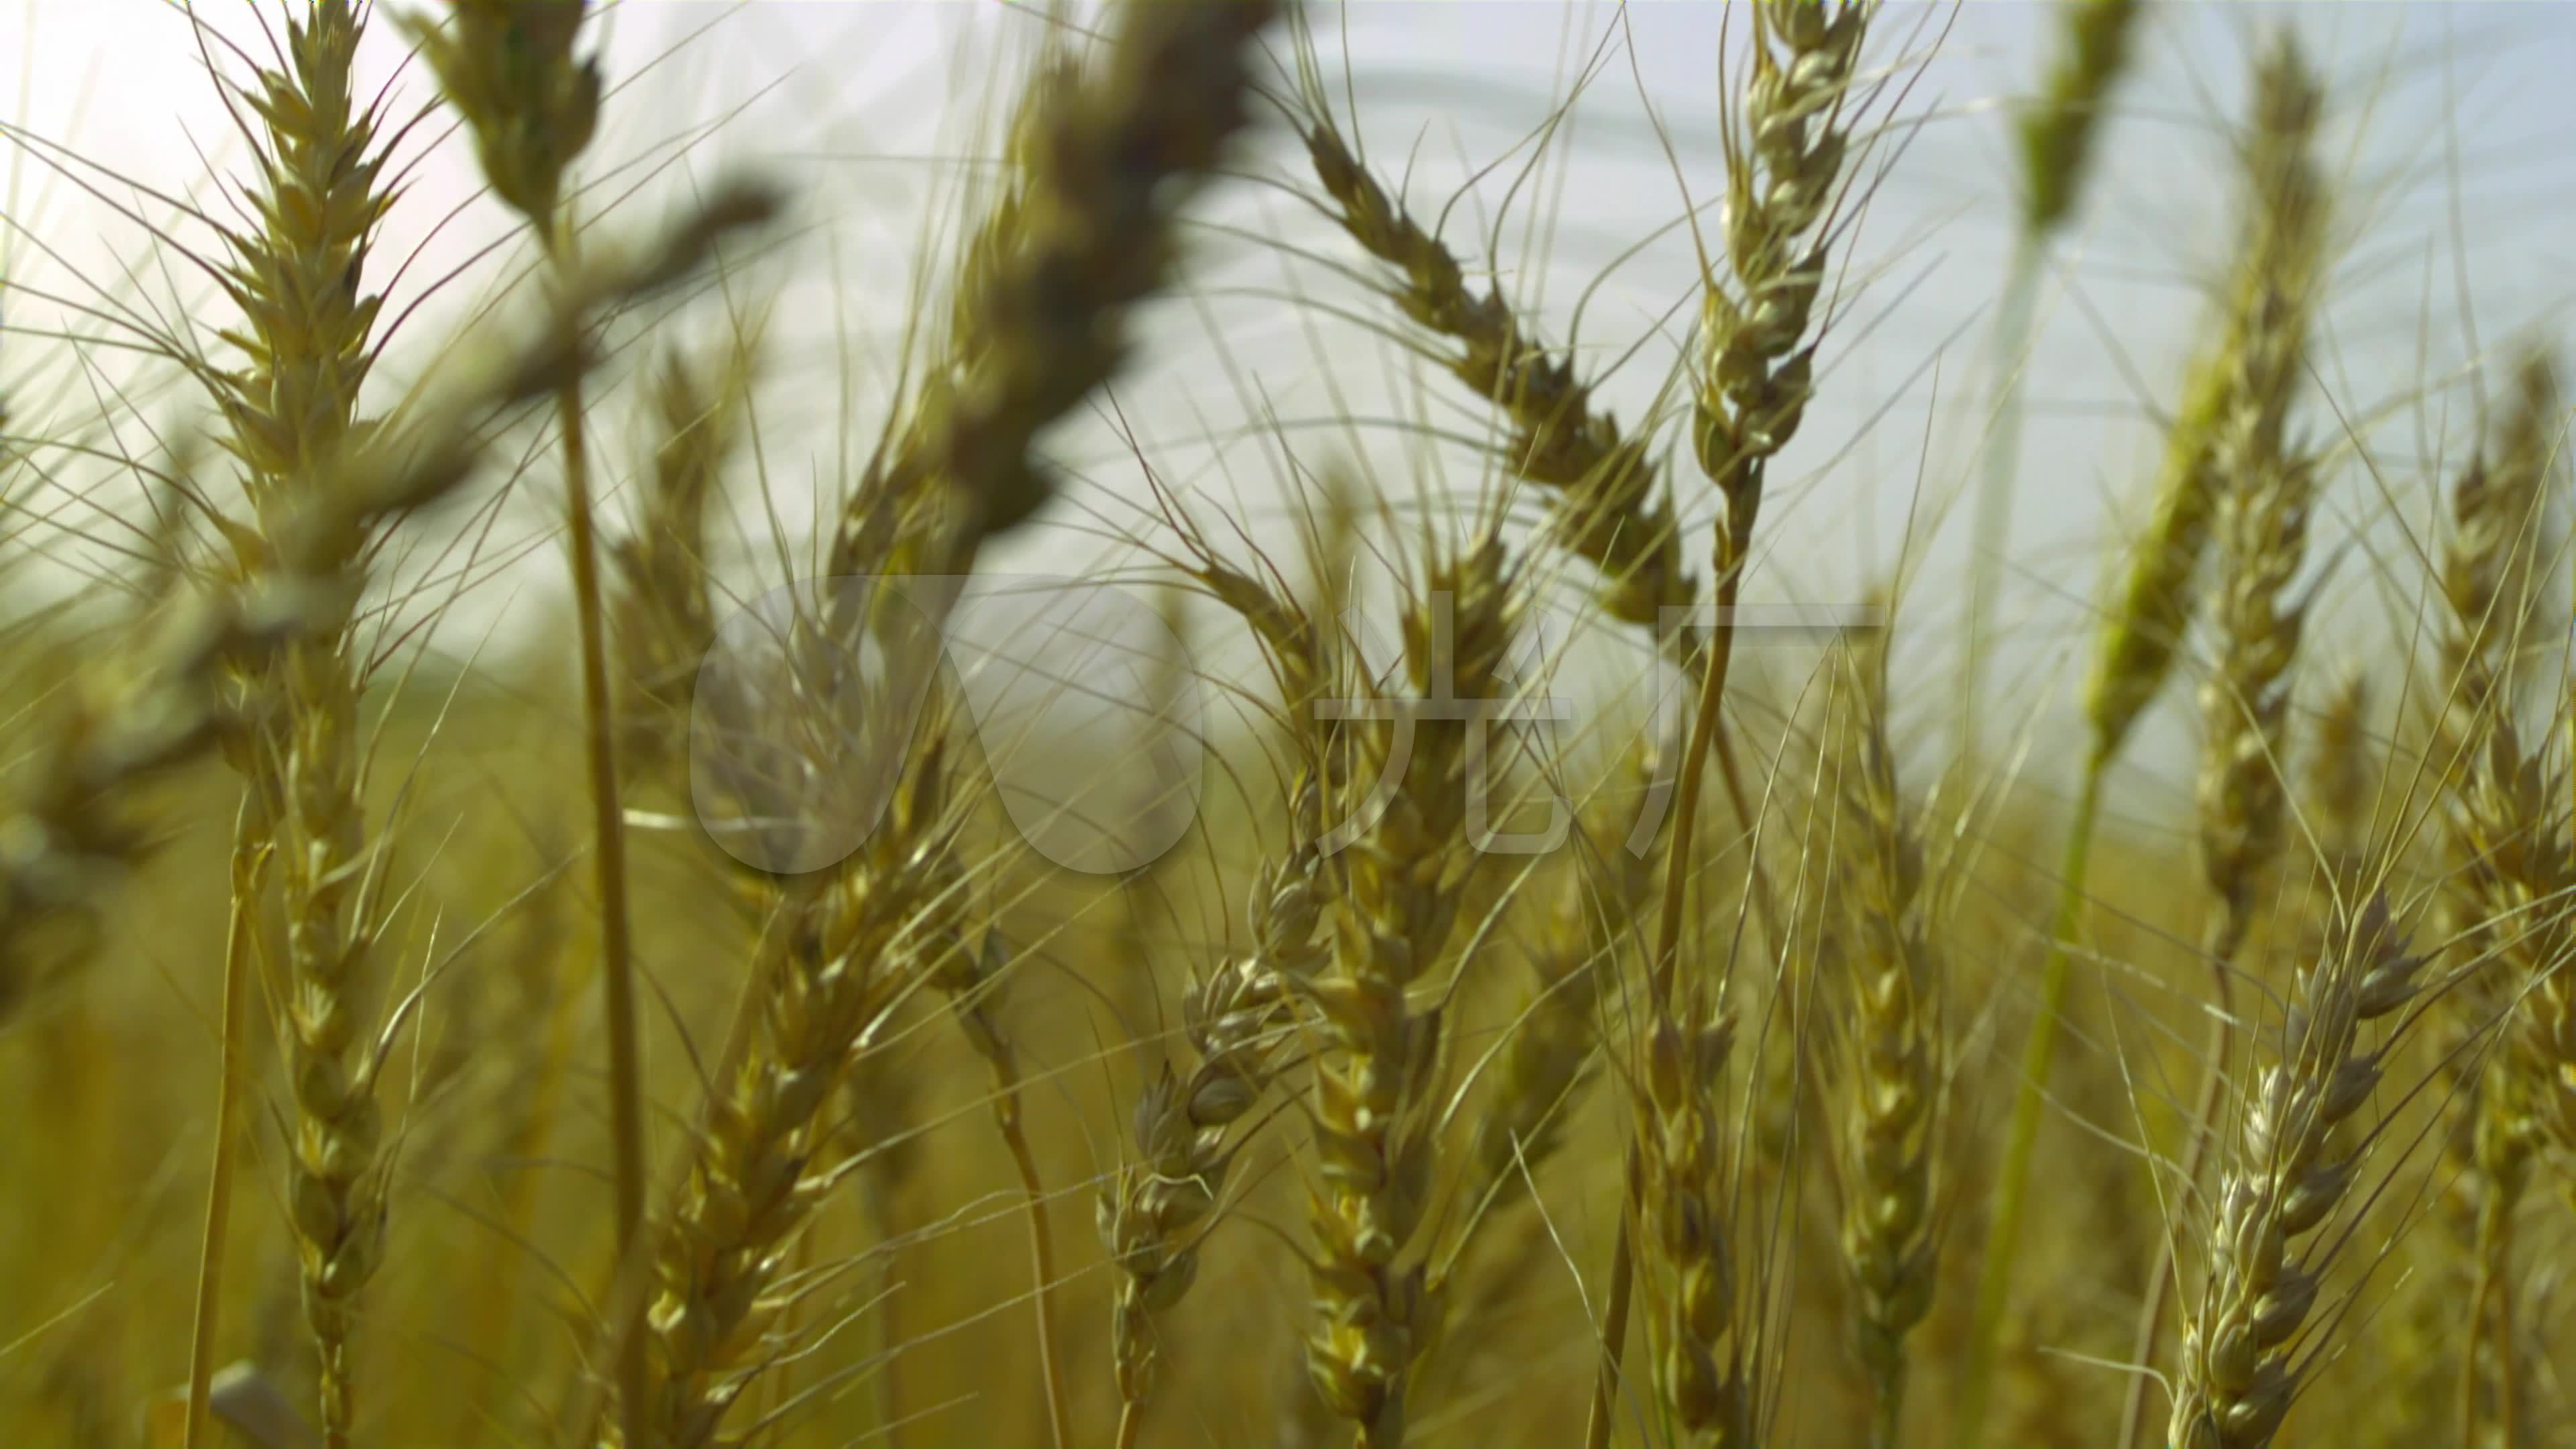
[{"x": 507, "y": 67}]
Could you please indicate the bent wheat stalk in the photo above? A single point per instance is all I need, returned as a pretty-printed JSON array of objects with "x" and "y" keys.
[
  {"x": 2057, "y": 142},
  {"x": 2278, "y": 265}
]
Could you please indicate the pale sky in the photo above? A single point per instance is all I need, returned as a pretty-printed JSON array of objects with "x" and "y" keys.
[{"x": 2453, "y": 132}]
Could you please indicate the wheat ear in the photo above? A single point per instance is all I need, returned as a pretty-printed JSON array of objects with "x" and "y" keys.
[
  {"x": 2342, "y": 773},
  {"x": 1891, "y": 1120},
  {"x": 662, "y": 614},
  {"x": 2509, "y": 866},
  {"x": 299, "y": 279},
  {"x": 1416, "y": 771},
  {"x": 161, "y": 701},
  {"x": 1696, "y": 1327},
  {"x": 1610, "y": 507},
  {"x": 1555, "y": 1039},
  {"x": 2274, "y": 281},
  {"x": 2242, "y": 1359},
  {"x": 1100, "y": 162},
  {"x": 2243, "y": 798},
  {"x": 1237, "y": 1020}
]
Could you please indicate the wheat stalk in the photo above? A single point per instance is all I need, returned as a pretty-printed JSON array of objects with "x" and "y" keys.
[
  {"x": 2057, "y": 135},
  {"x": 2274, "y": 287},
  {"x": 1784, "y": 168}
]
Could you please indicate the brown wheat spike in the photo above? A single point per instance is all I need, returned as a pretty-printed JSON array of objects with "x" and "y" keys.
[
  {"x": 299, "y": 280},
  {"x": 1611, "y": 509},
  {"x": 2249, "y": 1346},
  {"x": 1892, "y": 1113},
  {"x": 662, "y": 616},
  {"x": 1038, "y": 317},
  {"x": 2275, "y": 284},
  {"x": 1376, "y": 1104},
  {"x": 2057, "y": 135}
]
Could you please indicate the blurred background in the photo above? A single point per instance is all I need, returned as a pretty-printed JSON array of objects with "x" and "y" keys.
[
  {"x": 1567, "y": 151},
  {"x": 1564, "y": 148}
]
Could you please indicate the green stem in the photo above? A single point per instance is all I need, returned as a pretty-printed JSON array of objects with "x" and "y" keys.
[
  {"x": 249, "y": 860},
  {"x": 1993, "y": 522},
  {"x": 608, "y": 854},
  {"x": 1994, "y": 1291},
  {"x": 1614, "y": 1323},
  {"x": 1889, "y": 1410}
]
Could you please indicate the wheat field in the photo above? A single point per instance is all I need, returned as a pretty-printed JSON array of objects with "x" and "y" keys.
[{"x": 1150, "y": 730}]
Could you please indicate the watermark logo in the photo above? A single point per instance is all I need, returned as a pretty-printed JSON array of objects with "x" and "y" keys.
[{"x": 1090, "y": 720}]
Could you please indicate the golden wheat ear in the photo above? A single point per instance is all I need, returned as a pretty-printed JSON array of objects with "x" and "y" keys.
[
  {"x": 2247, "y": 1348},
  {"x": 1401, "y": 873},
  {"x": 298, "y": 278}
]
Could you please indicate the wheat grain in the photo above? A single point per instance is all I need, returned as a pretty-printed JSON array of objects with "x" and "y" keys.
[
  {"x": 2057, "y": 135},
  {"x": 1610, "y": 504},
  {"x": 662, "y": 617},
  {"x": 2245, "y": 1352},
  {"x": 1417, "y": 770}
]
